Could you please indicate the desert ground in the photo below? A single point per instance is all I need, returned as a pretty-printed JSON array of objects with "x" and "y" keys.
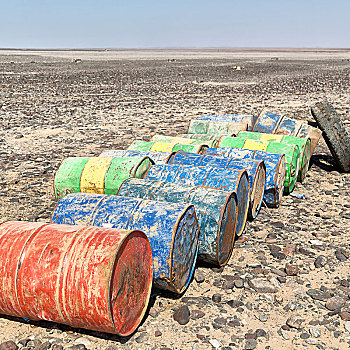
[{"x": 55, "y": 104}]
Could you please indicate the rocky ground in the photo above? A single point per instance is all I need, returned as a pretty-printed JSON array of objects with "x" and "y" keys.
[{"x": 287, "y": 284}]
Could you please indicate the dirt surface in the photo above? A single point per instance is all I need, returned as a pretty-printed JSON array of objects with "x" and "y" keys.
[{"x": 52, "y": 107}]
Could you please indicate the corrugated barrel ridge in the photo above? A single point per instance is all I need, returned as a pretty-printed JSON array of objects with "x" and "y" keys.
[
  {"x": 215, "y": 209},
  {"x": 275, "y": 169},
  {"x": 156, "y": 157},
  {"x": 256, "y": 172},
  {"x": 97, "y": 175},
  {"x": 165, "y": 225},
  {"x": 227, "y": 180}
]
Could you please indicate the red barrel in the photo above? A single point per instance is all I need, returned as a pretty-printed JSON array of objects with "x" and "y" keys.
[{"x": 86, "y": 277}]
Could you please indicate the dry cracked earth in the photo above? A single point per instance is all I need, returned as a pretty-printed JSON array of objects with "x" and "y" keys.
[{"x": 287, "y": 284}]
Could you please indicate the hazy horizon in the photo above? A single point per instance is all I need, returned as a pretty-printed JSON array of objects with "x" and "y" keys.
[{"x": 253, "y": 24}]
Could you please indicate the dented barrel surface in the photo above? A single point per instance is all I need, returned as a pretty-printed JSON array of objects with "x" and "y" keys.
[
  {"x": 235, "y": 118},
  {"x": 215, "y": 127},
  {"x": 228, "y": 180},
  {"x": 275, "y": 170},
  {"x": 255, "y": 168},
  {"x": 97, "y": 175},
  {"x": 274, "y": 123},
  {"x": 86, "y": 277},
  {"x": 303, "y": 143},
  {"x": 172, "y": 230},
  {"x": 156, "y": 157},
  {"x": 137, "y": 145},
  {"x": 215, "y": 209},
  {"x": 181, "y": 140},
  {"x": 291, "y": 152}
]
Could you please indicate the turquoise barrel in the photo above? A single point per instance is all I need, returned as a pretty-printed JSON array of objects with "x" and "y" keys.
[
  {"x": 228, "y": 180},
  {"x": 255, "y": 168},
  {"x": 274, "y": 123},
  {"x": 215, "y": 127},
  {"x": 233, "y": 118},
  {"x": 275, "y": 170},
  {"x": 172, "y": 230},
  {"x": 215, "y": 209},
  {"x": 156, "y": 157}
]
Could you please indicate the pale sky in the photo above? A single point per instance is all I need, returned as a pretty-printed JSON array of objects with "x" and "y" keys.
[{"x": 177, "y": 23}]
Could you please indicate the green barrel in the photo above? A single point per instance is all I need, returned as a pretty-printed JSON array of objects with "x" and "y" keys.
[
  {"x": 304, "y": 144},
  {"x": 291, "y": 152},
  {"x": 203, "y": 137},
  {"x": 137, "y": 145},
  {"x": 181, "y": 140},
  {"x": 97, "y": 175},
  {"x": 215, "y": 127}
]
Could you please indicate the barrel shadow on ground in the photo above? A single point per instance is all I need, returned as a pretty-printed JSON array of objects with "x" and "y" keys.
[
  {"x": 324, "y": 162},
  {"x": 106, "y": 336}
]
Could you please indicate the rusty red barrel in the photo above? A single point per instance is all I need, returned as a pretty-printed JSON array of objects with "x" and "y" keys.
[
  {"x": 255, "y": 168},
  {"x": 228, "y": 180},
  {"x": 86, "y": 277}
]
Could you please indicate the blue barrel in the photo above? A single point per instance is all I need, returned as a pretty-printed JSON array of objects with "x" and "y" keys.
[
  {"x": 236, "y": 118},
  {"x": 172, "y": 230},
  {"x": 255, "y": 168},
  {"x": 157, "y": 157},
  {"x": 275, "y": 170},
  {"x": 228, "y": 180},
  {"x": 215, "y": 209}
]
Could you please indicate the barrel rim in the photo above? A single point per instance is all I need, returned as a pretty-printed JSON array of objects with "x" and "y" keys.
[
  {"x": 260, "y": 165},
  {"x": 180, "y": 217},
  {"x": 231, "y": 194},
  {"x": 110, "y": 280}
]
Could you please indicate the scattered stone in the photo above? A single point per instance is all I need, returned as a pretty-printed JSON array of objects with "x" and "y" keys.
[
  {"x": 304, "y": 335},
  {"x": 284, "y": 334},
  {"x": 196, "y": 314},
  {"x": 340, "y": 255},
  {"x": 347, "y": 326},
  {"x": 215, "y": 343},
  {"x": 262, "y": 318},
  {"x": 295, "y": 321},
  {"x": 250, "y": 344},
  {"x": 219, "y": 322},
  {"x": 292, "y": 270},
  {"x": 320, "y": 261},
  {"x": 239, "y": 283},
  {"x": 315, "y": 332},
  {"x": 8, "y": 345},
  {"x": 335, "y": 303},
  {"x": 317, "y": 294},
  {"x": 199, "y": 276},
  {"x": 83, "y": 341},
  {"x": 142, "y": 337},
  {"x": 311, "y": 341},
  {"x": 262, "y": 285},
  {"x": 344, "y": 315},
  {"x": 260, "y": 333},
  {"x": 60, "y": 347},
  {"x": 235, "y": 303},
  {"x": 158, "y": 333},
  {"x": 216, "y": 298},
  {"x": 182, "y": 314},
  {"x": 78, "y": 347}
]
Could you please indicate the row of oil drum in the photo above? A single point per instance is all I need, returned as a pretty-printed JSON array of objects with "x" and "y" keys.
[{"x": 147, "y": 213}]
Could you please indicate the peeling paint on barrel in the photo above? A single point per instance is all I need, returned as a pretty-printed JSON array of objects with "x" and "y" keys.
[
  {"x": 275, "y": 170},
  {"x": 138, "y": 145},
  {"x": 215, "y": 209},
  {"x": 228, "y": 180},
  {"x": 97, "y": 175},
  {"x": 291, "y": 152},
  {"x": 304, "y": 145},
  {"x": 86, "y": 277},
  {"x": 215, "y": 127},
  {"x": 234, "y": 118},
  {"x": 286, "y": 126},
  {"x": 156, "y": 157},
  {"x": 172, "y": 230},
  {"x": 255, "y": 168}
]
